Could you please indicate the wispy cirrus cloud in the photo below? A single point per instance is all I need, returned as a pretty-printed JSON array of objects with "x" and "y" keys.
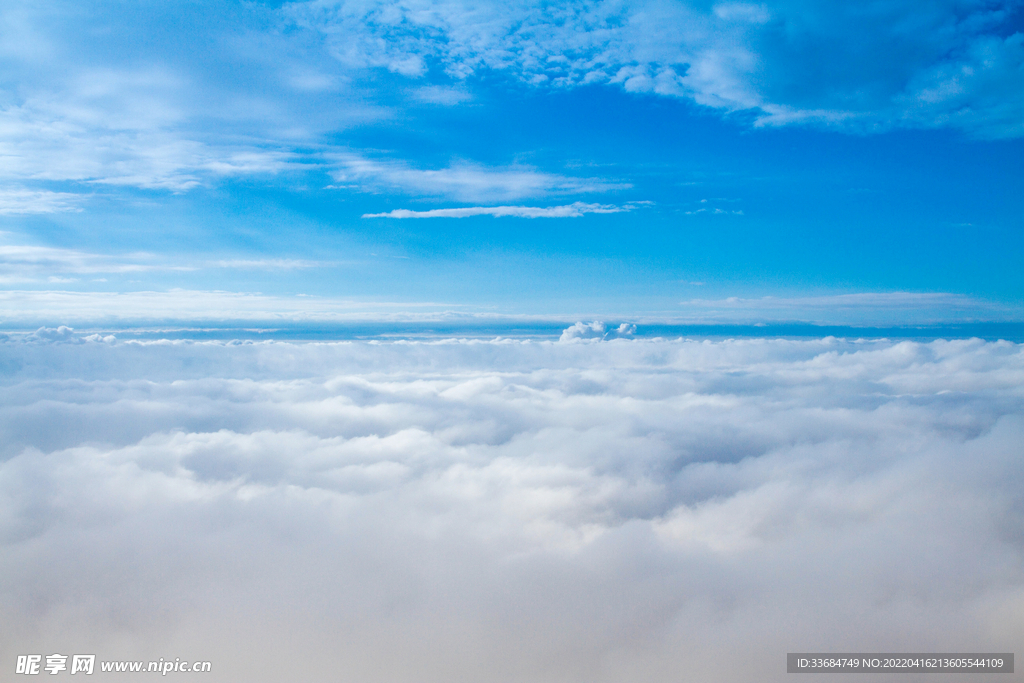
[
  {"x": 41, "y": 146},
  {"x": 184, "y": 305},
  {"x": 715, "y": 212},
  {"x": 859, "y": 308},
  {"x": 113, "y": 112},
  {"x": 462, "y": 181},
  {"x": 123, "y": 126},
  {"x": 20, "y": 200},
  {"x": 574, "y": 210},
  {"x": 856, "y": 300},
  {"x": 446, "y": 96},
  {"x": 32, "y": 263},
  {"x": 272, "y": 263}
]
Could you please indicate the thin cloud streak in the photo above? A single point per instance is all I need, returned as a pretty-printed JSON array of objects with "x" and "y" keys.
[
  {"x": 271, "y": 264},
  {"x": 28, "y": 263},
  {"x": 21, "y": 201},
  {"x": 48, "y": 307},
  {"x": 184, "y": 305},
  {"x": 461, "y": 181},
  {"x": 574, "y": 210},
  {"x": 856, "y": 300},
  {"x": 897, "y": 308}
]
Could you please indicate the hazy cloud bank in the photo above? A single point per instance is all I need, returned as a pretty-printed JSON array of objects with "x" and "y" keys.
[
  {"x": 30, "y": 308},
  {"x": 510, "y": 510}
]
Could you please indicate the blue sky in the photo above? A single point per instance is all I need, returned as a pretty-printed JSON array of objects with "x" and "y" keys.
[{"x": 855, "y": 162}]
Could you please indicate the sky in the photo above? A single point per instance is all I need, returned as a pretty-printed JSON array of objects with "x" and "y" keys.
[
  {"x": 845, "y": 163},
  {"x": 510, "y": 342}
]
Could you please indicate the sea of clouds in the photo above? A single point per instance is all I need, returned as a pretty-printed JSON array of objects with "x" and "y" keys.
[{"x": 598, "y": 508}]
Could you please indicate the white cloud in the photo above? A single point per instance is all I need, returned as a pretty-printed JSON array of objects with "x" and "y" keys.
[
  {"x": 596, "y": 330},
  {"x": 738, "y": 11},
  {"x": 15, "y": 200},
  {"x": 574, "y": 210},
  {"x": 443, "y": 511},
  {"x": 87, "y": 308},
  {"x": 447, "y": 96},
  {"x": 274, "y": 263},
  {"x": 463, "y": 181},
  {"x": 895, "y": 308},
  {"x": 901, "y": 64},
  {"x": 715, "y": 212},
  {"x": 91, "y": 104},
  {"x": 55, "y": 334},
  {"x": 31, "y": 263},
  {"x": 121, "y": 128},
  {"x": 185, "y": 305}
]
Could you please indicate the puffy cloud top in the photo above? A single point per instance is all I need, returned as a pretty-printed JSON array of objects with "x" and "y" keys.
[
  {"x": 458, "y": 510},
  {"x": 596, "y": 330}
]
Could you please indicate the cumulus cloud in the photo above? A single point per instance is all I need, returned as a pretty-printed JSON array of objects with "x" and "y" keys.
[
  {"x": 55, "y": 334},
  {"x": 596, "y": 330},
  {"x": 574, "y": 210},
  {"x": 512, "y": 510}
]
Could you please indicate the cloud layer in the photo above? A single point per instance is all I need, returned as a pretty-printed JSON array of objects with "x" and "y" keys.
[
  {"x": 510, "y": 510},
  {"x": 28, "y": 308},
  {"x": 861, "y": 308}
]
